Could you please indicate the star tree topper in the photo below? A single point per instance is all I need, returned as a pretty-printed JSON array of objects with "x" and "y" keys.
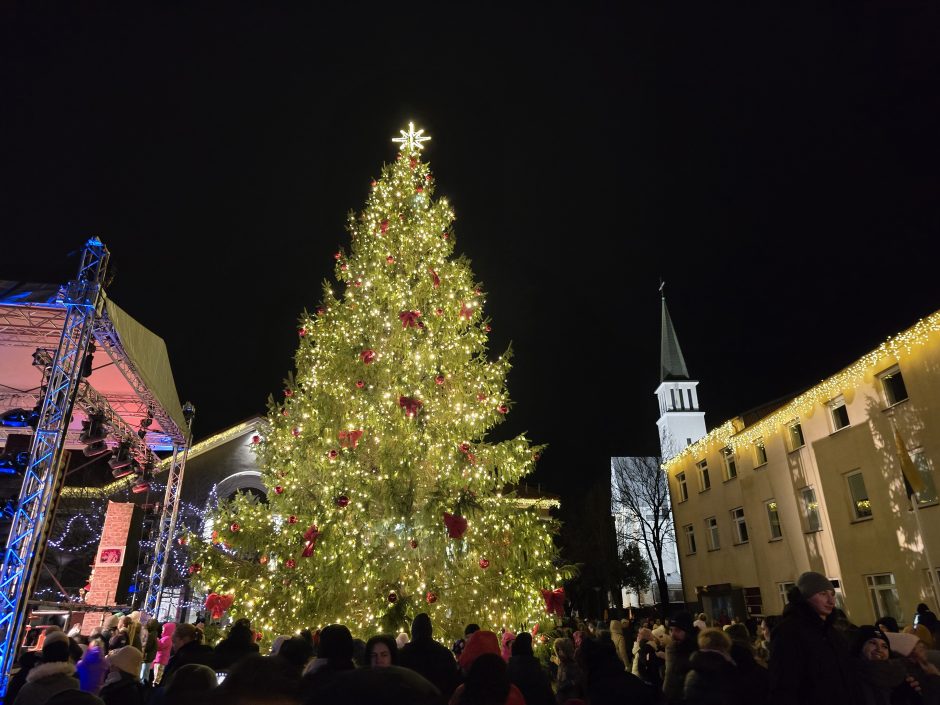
[{"x": 411, "y": 140}]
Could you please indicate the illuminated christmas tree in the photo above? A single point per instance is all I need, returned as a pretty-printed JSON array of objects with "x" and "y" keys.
[{"x": 384, "y": 497}]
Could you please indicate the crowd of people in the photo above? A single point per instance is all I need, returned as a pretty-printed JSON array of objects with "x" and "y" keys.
[{"x": 811, "y": 654}]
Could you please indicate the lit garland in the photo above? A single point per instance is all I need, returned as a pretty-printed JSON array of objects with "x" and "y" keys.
[
  {"x": 891, "y": 350},
  {"x": 379, "y": 435}
]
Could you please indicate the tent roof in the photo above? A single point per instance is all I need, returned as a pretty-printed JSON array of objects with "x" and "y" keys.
[{"x": 131, "y": 369}]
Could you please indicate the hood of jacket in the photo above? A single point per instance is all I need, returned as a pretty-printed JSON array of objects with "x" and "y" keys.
[
  {"x": 54, "y": 668},
  {"x": 168, "y": 629},
  {"x": 710, "y": 662}
]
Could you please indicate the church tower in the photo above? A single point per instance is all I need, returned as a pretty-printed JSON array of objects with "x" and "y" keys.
[{"x": 681, "y": 422}]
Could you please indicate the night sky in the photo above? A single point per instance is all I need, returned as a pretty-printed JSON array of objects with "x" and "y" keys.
[{"x": 777, "y": 167}]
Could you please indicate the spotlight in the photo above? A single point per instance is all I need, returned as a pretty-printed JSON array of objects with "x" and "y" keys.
[
  {"x": 14, "y": 463},
  {"x": 15, "y": 418},
  {"x": 122, "y": 458},
  {"x": 96, "y": 448},
  {"x": 140, "y": 487},
  {"x": 188, "y": 412},
  {"x": 93, "y": 429},
  {"x": 89, "y": 360},
  {"x": 122, "y": 472}
]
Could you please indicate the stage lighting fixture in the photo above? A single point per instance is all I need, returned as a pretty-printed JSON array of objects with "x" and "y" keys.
[
  {"x": 14, "y": 463},
  {"x": 122, "y": 472},
  {"x": 15, "y": 418},
  {"x": 89, "y": 360},
  {"x": 93, "y": 429},
  {"x": 96, "y": 448},
  {"x": 141, "y": 487},
  {"x": 122, "y": 457}
]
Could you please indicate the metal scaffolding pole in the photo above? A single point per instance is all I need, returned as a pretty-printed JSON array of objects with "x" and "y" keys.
[
  {"x": 163, "y": 547},
  {"x": 44, "y": 476}
]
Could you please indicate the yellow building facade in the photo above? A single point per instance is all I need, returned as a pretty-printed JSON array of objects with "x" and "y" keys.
[{"x": 814, "y": 482}]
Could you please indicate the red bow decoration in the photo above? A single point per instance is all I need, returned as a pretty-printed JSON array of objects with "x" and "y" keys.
[
  {"x": 349, "y": 439},
  {"x": 409, "y": 319},
  {"x": 367, "y": 356},
  {"x": 310, "y": 538},
  {"x": 554, "y": 601},
  {"x": 411, "y": 405},
  {"x": 383, "y": 226},
  {"x": 435, "y": 278},
  {"x": 217, "y": 605},
  {"x": 456, "y": 525},
  {"x": 465, "y": 449}
]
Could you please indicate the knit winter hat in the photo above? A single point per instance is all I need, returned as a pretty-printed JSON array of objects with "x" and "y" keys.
[
  {"x": 127, "y": 659},
  {"x": 54, "y": 635},
  {"x": 812, "y": 582},
  {"x": 862, "y": 636},
  {"x": 902, "y": 643}
]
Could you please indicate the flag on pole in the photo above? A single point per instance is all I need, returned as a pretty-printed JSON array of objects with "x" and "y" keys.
[{"x": 913, "y": 482}]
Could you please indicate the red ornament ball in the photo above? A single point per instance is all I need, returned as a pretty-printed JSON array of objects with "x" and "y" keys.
[
  {"x": 373, "y": 183},
  {"x": 263, "y": 560},
  {"x": 431, "y": 598},
  {"x": 439, "y": 379},
  {"x": 290, "y": 563},
  {"x": 342, "y": 501},
  {"x": 464, "y": 447},
  {"x": 195, "y": 568},
  {"x": 288, "y": 393},
  {"x": 358, "y": 282},
  {"x": 258, "y": 636},
  {"x": 438, "y": 312},
  {"x": 296, "y": 432},
  {"x": 278, "y": 490},
  {"x": 256, "y": 439},
  {"x": 301, "y": 332},
  {"x": 333, "y": 453},
  {"x": 284, "y": 412},
  {"x": 488, "y": 328},
  {"x": 420, "y": 189},
  {"x": 412, "y": 162},
  {"x": 360, "y": 383},
  {"x": 427, "y": 177},
  {"x": 383, "y": 226},
  {"x": 321, "y": 311},
  {"x": 445, "y": 235},
  {"x": 484, "y": 563},
  {"x": 338, "y": 256},
  {"x": 343, "y": 267},
  {"x": 235, "y": 527},
  {"x": 393, "y": 597},
  {"x": 536, "y": 457},
  {"x": 390, "y": 260},
  {"x": 503, "y": 409},
  {"x": 291, "y": 519},
  {"x": 413, "y": 543},
  {"x": 182, "y": 541}
]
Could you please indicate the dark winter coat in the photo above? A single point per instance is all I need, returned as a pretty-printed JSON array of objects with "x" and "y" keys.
[
  {"x": 228, "y": 652},
  {"x": 754, "y": 678},
  {"x": 649, "y": 665},
  {"x": 525, "y": 672},
  {"x": 606, "y": 681},
  {"x": 714, "y": 680},
  {"x": 810, "y": 663},
  {"x": 127, "y": 690},
  {"x": 150, "y": 646},
  {"x": 878, "y": 679},
  {"x": 45, "y": 680},
  {"x": 678, "y": 655},
  {"x": 432, "y": 660}
]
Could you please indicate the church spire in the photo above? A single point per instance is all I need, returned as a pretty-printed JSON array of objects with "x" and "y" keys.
[{"x": 671, "y": 362}]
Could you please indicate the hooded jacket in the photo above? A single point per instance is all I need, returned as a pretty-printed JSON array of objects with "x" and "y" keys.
[
  {"x": 713, "y": 680},
  {"x": 164, "y": 644},
  {"x": 45, "y": 680},
  {"x": 810, "y": 663},
  {"x": 432, "y": 660},
  {"x": 92, "y": 670}
]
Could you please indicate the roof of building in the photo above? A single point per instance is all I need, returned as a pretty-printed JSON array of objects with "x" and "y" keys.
[{"x": 671, "y": 362}]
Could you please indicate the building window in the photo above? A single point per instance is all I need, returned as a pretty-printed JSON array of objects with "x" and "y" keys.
[
  {"x": 690, "y": 537},
  {"x": 783, "y": 589},
  {"x": 810, "y": 509},
  {"x": 838, "y": 413},
  {"x": 795, "y": 435},
  {"x": 711, "y": 526},
  {"x": 893, "y": 385},
  {"x": 704, "y": 481},
  {"x": 731, "y": 465},
  {"x": 861, "y": 505},
  {"x": 773, "y": 519},
  {"x": 922, "y": 463},
  {"x": 760, "y": 452},
  {"x": 740, "y": 525},
  {"x": 683, "y": 487},
  {"x": 884, "y": 595}
]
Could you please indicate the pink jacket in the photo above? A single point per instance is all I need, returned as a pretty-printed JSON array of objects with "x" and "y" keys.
[{"x": 164, "y": 643}]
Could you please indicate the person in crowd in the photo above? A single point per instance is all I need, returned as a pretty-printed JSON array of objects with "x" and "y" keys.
[
  {"x": 28, "y": 660},
  {"x": 650, "y": 660},
  {"x": 683, "y": 643},
  {"x": 150, "y": 638},
  {"x": 914, "y": 653},
  {"x": 401, "y": 640},
  {"x": 122, "y": 686},
  {"x": 506, "y": 641},
  {"x": 700, "y": 622},
  {"x": 569, "y": 681},
  {"x": 296, "y": 651},
  {"x": 620, "y": 643},
  {"x": 889, "y": 625},
  {"x": 164, "y": 650},
  {"x": 239, "y": 643},
  {"x": 122, "y": 636},
  {"x": 381, "y": 651},
  {"x": 753, "y": 676},
  {"x": 188, "y": 649},
  {"x": 459, "y": 645},
  {"x": 56, "y": 672},
  {"x": 334, "y": 655},
  {"x": 810, "y": 662},
  {"x": 191, "y": 684},
  {"x": 526, "y": 672},
  {"x": 92, "y": 668},
  {"x": 487, "y": 682},
  {"x": 923, "y": 616},
  {"x": 257, "y": 679},
  {"x": 712, "y": 678},
  {"x": 277, "y": 644},
  {"x": 606, "y": 681},
  {"x": 762, "y": 642},
  {"x": 110, "y": 629},
  {"x": 881, "y": 680},
  {"x": 432, "y": 660}
]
